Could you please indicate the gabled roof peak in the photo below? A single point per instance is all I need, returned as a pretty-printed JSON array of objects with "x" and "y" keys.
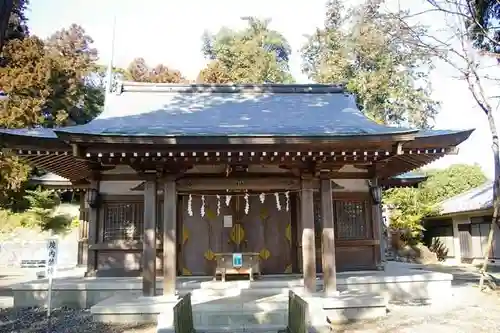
[{"x": 129, "y": 86}]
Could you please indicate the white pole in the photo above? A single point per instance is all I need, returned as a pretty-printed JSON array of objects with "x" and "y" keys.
[
  {"x": 109, "y": 71},
  {"x": 49, "y": 305}
]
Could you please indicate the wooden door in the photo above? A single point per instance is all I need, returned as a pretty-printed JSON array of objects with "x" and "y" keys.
[
  {"x": 203, "y": 234},
  {"x": 464, "y": 232},
  {"x": 268, "y": 232}
]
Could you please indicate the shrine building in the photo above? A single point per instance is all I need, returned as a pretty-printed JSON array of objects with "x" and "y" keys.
[{"x": 179, "y": 178}]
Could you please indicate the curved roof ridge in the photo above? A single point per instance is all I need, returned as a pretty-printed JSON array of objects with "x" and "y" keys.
[{"x": 128, "y": 86}]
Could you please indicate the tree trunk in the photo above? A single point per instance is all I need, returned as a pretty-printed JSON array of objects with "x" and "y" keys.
[
  {"x": 5, "y": 10},
  {"x": 496, "y": 192}
]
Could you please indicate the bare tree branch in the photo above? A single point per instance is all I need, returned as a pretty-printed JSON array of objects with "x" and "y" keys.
[{"x": 457, "y": 51}]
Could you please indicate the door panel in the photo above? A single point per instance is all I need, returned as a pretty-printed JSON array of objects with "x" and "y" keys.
[
  {"x": 465, "y": 241},
  {"x": 202, "y": 236},
  {"x": 268, "y": 232}
]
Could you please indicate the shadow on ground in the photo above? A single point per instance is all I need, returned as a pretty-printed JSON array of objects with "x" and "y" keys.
[
  {"x": 466, "y": 274},
  {"x": 34, "y": 320}
]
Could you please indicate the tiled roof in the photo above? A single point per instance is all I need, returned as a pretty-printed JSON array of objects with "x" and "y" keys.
[
  {"x": 53, "y": 180},
  {"x": 274, "y": 110},
  {"x": 145, "y": 109},
  {"x": 411, "y": 175},
  {"x": 37, "y": 132},
  {"x": 49, "y": 178},
  {"x": 475, "y": 199}
]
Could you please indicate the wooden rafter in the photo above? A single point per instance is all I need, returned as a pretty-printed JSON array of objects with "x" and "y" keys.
[{"x": 387, "y": 162}]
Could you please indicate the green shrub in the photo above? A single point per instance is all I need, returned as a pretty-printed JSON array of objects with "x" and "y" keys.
[
  {"x": 58, "y": 223},
  {"x": 40, "y": 215},
  {"x": 439, "y": 249},
  {"x": 9, "y": 221},
  {"x": 409, "y": 205}
]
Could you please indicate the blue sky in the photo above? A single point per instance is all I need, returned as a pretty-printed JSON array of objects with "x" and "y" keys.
[{"x": 169, "y": 32}]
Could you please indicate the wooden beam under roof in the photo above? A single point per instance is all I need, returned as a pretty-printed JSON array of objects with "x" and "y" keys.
[
  {"x": 209, "y": 141},
  {"x": 65, "y": 164}
]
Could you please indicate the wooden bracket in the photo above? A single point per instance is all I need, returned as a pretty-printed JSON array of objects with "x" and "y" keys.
[
  {"x": 148, "y": 174},
  {"x": 397, "y": 148},
  {"x": 453, "y": 150},
  {"x": 174, "y": 175},
  {"x": 78, "y": 152},
  {"x": 95, "y": 174},
  {"x": 323, "y": 174}
]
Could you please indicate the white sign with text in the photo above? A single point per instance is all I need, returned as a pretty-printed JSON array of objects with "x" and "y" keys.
[
  {"x": 228, "y": 221},
  {"x": 52, "y": 249}
]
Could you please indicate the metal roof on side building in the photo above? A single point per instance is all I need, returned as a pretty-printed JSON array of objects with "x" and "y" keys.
[{"x": 478, "y": 198}]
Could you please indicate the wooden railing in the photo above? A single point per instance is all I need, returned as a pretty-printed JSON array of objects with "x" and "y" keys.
[
  {"x": 297, "y": 314},
  {"x": 183, "y": 315}
]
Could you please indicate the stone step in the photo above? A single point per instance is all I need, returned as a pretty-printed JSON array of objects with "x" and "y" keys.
[
  {"x": 235, "y": 291},
  {"x": 231, "y": 329},
  {"x": 229, "y": 314}
]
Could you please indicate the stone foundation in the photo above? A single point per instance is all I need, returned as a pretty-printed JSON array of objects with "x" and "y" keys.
[{"x": 398, "y": 285}]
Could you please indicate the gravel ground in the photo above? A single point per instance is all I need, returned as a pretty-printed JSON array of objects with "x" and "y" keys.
[
  {"x": 63, "y": 321},
  {"x": 469, "y": 311}
]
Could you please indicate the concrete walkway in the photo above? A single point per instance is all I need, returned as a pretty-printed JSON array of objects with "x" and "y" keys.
[{"x": 461, "y": 273}]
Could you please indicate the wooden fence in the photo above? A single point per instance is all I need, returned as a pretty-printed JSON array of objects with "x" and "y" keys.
[
  {"x": 183, "y": 315},
  {"x": 298, "y": 310}
]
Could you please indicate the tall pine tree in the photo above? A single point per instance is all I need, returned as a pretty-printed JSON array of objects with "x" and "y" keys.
[
  {"x": 377, "y": 59},
  {"x": 46, "y": 83},
  {"x": 255, "y": 54}
]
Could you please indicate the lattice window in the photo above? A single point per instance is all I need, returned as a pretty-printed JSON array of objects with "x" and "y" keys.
[
  {"x": 351, "y": 219},
  {"x": 123, "y": 221}
]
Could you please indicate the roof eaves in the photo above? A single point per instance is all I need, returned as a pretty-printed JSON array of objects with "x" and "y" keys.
[
  {"x": 128, "y": 86},
  {"x": 38, "y": 132},
  {"x": 441, "y": 132},
  {"x": 228, "y": 139}
]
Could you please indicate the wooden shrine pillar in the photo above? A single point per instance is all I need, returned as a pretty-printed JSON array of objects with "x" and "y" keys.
[
  {"x": 149, "y": 238},
  {"x": 328, "y": 238},
  {"x": 307, "y": 225},
  {"x": 83, "y": 233},
  {"x": 378, "y": 228},
  {"x": 93, "y": 228},
  {"x": 169, "y": 237}
]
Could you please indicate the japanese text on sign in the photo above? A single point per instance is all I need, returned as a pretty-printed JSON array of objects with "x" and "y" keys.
[{"x": 51, "y": 256}]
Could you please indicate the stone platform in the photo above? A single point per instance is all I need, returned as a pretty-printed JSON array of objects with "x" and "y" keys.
[
  {"x": 401, "y": 285},
  {"x": 227, "y": 306}
]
